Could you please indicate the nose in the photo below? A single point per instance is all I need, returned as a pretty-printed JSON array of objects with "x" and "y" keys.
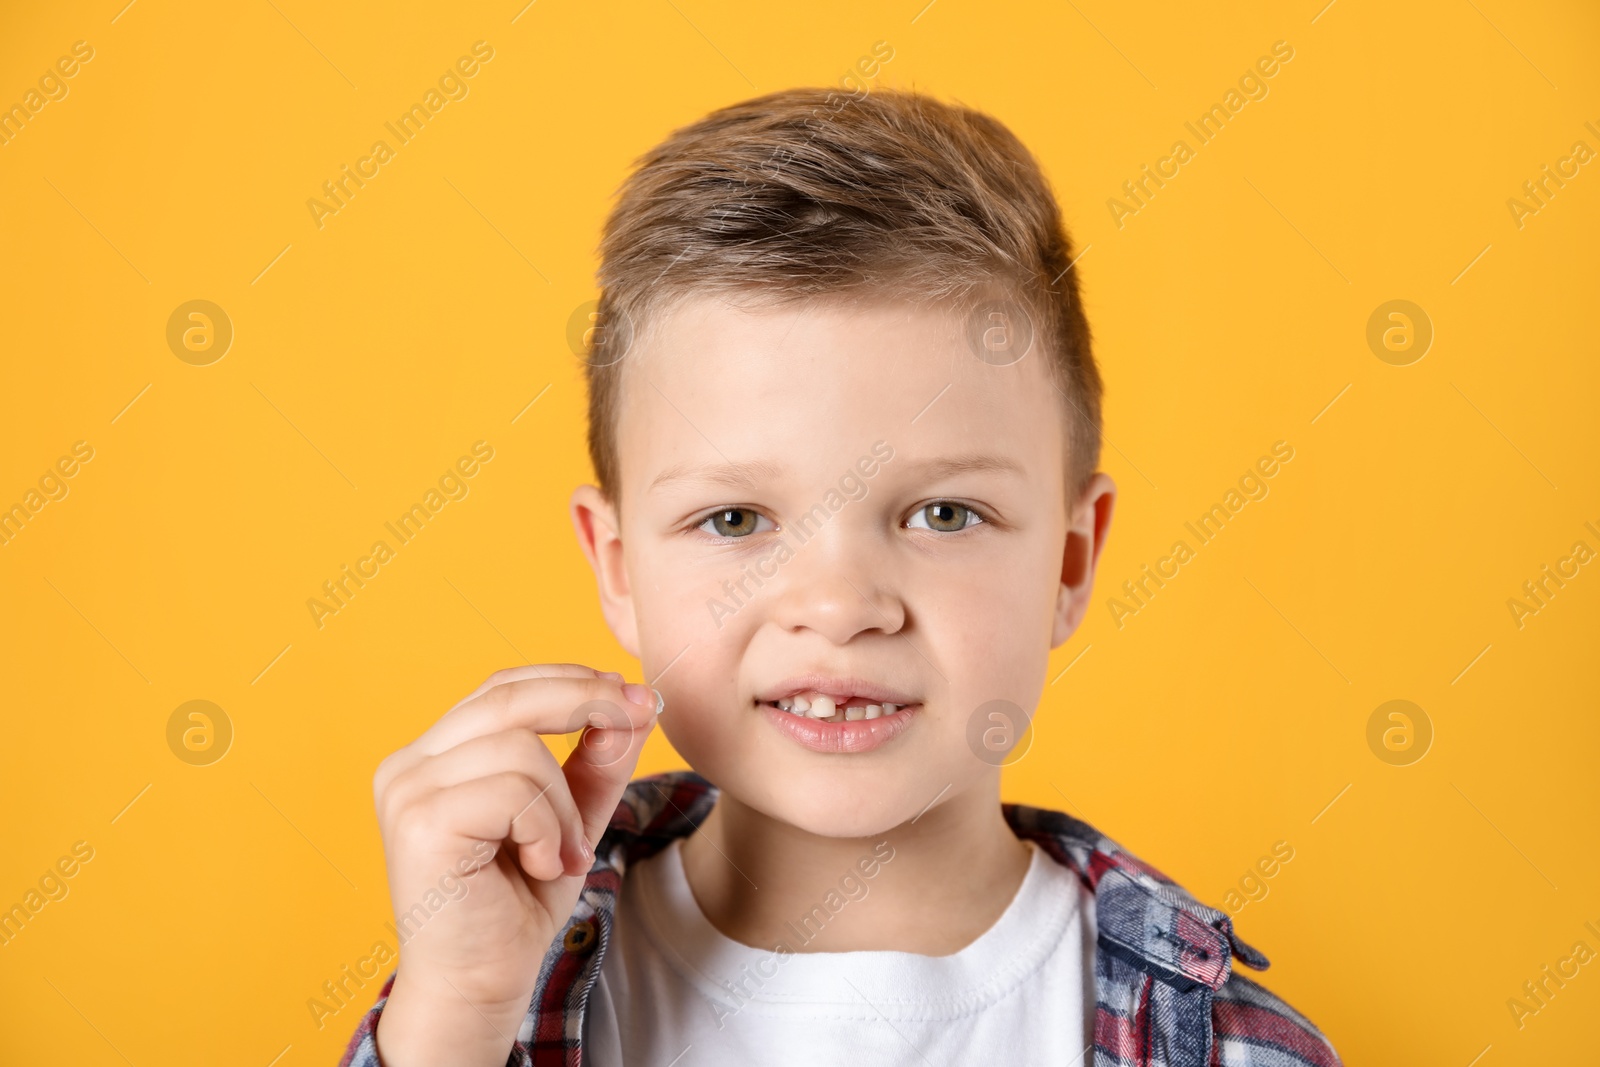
[{"x": 839, "y": 584}]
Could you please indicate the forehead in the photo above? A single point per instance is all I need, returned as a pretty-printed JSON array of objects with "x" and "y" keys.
[{"x": 807, "y": 387}]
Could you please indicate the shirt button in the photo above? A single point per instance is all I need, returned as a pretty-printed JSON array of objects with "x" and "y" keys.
[{"x": 580, "y": 937}]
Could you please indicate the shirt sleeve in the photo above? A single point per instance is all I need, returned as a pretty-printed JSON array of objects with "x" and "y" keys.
[{"x": 362, "y": 1051}]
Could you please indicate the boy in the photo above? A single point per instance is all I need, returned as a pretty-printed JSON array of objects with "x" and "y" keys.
[{"x": 845, "y": 423}]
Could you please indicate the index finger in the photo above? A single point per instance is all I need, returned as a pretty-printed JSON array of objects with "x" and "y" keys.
[
  {"x": 534, "y": 670},
  {"x": 544, "y": 705}
]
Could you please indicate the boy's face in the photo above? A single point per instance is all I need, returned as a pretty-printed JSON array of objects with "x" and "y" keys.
[{"x": 801, "y": 493}]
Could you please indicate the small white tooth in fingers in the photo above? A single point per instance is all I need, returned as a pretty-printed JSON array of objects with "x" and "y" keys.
[
  {"x": 821, "y": 708},
  {"x": 873, "y": 711},
  {"x": 855, "y": 714}
]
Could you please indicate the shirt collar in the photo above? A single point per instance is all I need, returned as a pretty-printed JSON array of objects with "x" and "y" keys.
[{"x": 1141, "y": 915}]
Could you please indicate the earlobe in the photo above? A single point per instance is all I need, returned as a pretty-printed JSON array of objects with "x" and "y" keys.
[
  {"x": 1089, "y": 522},
  {"x": 594, "y": 519}
]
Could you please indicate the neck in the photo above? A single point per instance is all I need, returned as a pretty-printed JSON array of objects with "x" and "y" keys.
[{"x": 937, "y": 882}]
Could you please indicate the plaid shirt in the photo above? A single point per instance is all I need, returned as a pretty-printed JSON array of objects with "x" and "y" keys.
[{"x": 1166, "y": 992}]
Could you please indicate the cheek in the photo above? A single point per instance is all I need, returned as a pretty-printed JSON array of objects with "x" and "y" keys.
[
  {"x": 691, "y": 646},
  {"x": 704, "y": 719},
  {"x": 680, "y": 602},
  {"x": 991, "y": 616}
]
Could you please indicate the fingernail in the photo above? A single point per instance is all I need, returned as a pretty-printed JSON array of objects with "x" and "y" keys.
[
  {"x": 615, "y": 676},
  {"x": 639, "y": 694},
  {"x": 588, "y": 850},
  {"x": 661, "y": 702}
]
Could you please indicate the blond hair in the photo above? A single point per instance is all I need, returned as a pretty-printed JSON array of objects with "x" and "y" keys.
[{"x": 816, "y": 193}]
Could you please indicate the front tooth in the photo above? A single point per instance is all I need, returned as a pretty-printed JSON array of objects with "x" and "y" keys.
[
  {"x": 821, "y": 708},
  {"x": 872, "y": 711},
  {"x": 801, "y": 706},
  {"x": 855, "y": 713}
]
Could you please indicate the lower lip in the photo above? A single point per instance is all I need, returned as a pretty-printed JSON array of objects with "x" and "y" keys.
[{"x": 860, "y": 735}]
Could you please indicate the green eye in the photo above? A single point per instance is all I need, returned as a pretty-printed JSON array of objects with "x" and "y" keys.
[
  {"x": 944, "y": 516},
  {"x": 732, "y": 522}
]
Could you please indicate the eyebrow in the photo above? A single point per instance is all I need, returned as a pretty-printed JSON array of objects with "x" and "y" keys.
[
  {"x": 731, "y": 475},
  {"x": 971, "y": 463},
  {"x": 751, "y": 475}
]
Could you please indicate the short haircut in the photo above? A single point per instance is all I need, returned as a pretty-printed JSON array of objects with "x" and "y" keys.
[{"x": 812, "y": 193}]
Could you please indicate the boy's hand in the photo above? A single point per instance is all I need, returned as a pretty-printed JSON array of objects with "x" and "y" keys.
[{"x": 479, "y": 795}]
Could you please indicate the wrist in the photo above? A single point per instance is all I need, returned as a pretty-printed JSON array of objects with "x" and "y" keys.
[{"x": 427, "y": 1024}]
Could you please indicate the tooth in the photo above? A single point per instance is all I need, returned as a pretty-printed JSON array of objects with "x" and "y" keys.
[
  {"x": 821, "y": 708},
  {"x": 890, "y": 709},
  {"x": 797, "y": 711},
  {"x": 853, "y": 714},
  {"x": 835, "y": 718},
  {"x": 872, "y": 711},
  {"x": 785, "y": 703},
  {"x": 801, "y": 705}
]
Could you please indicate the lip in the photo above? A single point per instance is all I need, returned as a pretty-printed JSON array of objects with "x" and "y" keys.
[
  {"x": 836, "y": 685},
  {"x": 860, "y": 735}
]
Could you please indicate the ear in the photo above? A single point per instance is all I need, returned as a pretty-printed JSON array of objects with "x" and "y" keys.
[
  {"x": 599, "y": 535},
  {"x": 1088, "y": 522}
]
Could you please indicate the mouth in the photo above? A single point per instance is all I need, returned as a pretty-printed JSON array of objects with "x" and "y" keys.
[
  {"x": 836, "y": 707},
  {"x": 837, "y": 715}
]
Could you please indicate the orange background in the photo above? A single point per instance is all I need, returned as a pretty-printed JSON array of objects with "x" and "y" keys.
[{"x": 1230, "y": 312}]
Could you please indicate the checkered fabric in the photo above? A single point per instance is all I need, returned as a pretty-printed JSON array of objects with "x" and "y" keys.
[{"x": 1166, "y": 991}]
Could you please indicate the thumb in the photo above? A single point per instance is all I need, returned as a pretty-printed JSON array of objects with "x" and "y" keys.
[{"x": 602, "y": 763}]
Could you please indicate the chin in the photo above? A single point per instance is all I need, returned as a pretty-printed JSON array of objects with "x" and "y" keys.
[
  {"x": 843, "y": 796},
  {"x": 856, "y": 810},
  {"x": 843, "y": 823}
]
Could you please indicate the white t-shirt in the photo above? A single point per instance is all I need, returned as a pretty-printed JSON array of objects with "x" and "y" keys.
[{"x": 674, "y": 991}]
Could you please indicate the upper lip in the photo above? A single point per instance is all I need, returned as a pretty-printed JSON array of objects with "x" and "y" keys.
[{"x": 835, "y": 685}]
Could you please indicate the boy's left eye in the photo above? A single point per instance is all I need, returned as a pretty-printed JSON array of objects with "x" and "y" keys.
[
  {"x": 944, "y": 516},
  {"x": 734, "y": 522}
]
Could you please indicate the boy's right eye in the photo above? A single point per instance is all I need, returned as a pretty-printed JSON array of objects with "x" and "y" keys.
[{"x": 734, "y": 522}]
